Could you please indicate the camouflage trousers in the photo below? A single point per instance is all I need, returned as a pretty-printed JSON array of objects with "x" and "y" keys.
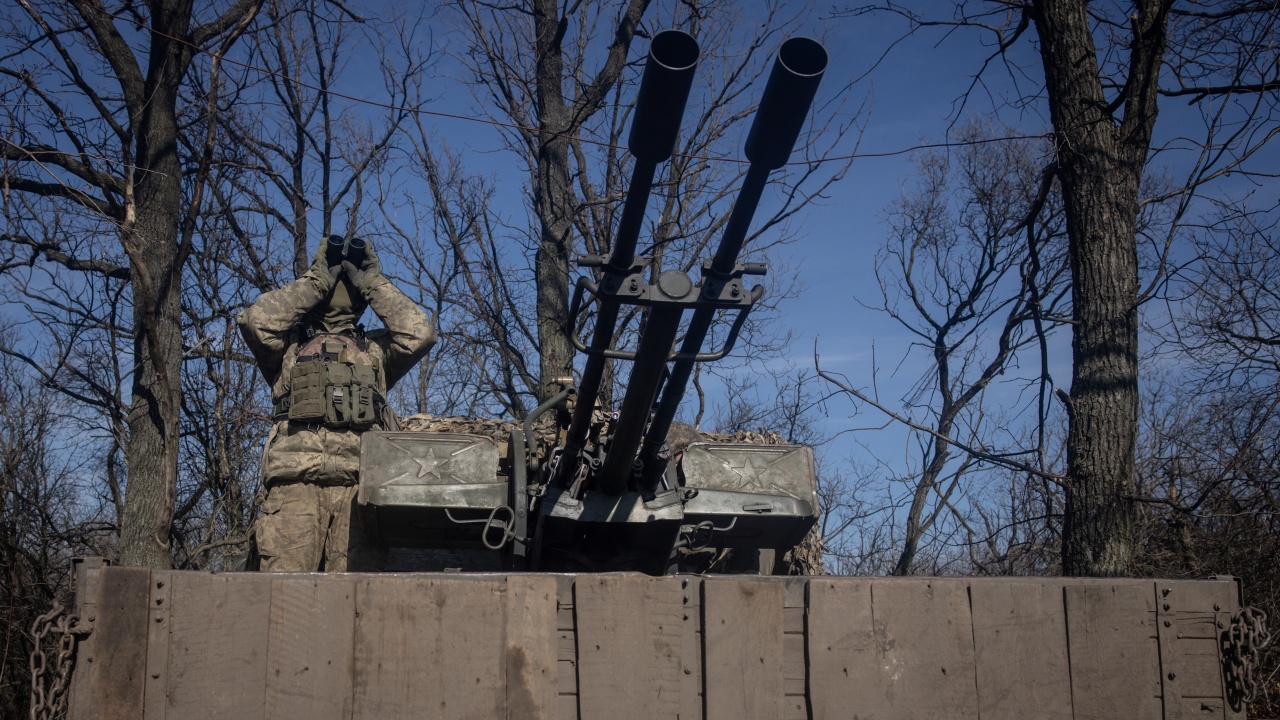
[{"x": 306, "y": 527}]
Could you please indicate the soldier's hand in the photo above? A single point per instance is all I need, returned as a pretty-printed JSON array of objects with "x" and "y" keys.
[
  {"x": 369, "y": 274},
  {"x": 321, "y": 270}
]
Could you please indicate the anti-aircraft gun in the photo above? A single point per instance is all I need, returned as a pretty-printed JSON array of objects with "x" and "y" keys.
[{"x": 612, "y": 490}]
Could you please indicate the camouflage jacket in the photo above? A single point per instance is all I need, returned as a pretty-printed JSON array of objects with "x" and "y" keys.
[{"x": 272, "y": 326}]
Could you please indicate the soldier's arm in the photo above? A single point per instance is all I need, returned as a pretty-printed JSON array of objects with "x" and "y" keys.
[
  {"x": 266, "y": 324},
  {"x": 409, "y": 333}
]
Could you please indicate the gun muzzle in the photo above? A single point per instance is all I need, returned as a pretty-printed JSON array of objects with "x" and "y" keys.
[
  {"x": 664, "y": 90},
  {"x": 787, "y": 96}
]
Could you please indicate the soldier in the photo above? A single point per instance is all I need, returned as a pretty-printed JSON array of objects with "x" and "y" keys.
[{"x": 329, "y": 380}]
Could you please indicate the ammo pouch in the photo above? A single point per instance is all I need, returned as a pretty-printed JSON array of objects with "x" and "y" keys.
[
  {"x": 306, "y": 398},
  {"x": 328, "y": 389},
  {"x": 364, "y": 397}
]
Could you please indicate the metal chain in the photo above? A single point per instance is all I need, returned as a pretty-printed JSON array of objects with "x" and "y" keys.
[
  {"x": 1242, "y": 642},
  {"x": 49, "y": 682}
]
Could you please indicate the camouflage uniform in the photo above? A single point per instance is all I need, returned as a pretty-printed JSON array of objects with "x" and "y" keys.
[{"x": 311, "y": 469}]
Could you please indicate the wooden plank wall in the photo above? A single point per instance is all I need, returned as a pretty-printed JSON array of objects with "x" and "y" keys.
[{"x": 616, "y": 646}]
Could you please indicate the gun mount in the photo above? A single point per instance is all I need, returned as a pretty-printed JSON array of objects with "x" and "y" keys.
[{"x": 610, "y": 491}]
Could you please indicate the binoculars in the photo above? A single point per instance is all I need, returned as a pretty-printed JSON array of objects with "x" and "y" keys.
[{"x": 340, "y": 248}]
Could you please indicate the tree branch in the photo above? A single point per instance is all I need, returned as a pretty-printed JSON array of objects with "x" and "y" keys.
[
  {"x": 53, "y": 253},
  {"x": 1000, "y": 460}
]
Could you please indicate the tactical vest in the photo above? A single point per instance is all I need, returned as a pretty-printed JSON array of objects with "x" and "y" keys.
[{"x": 333, "y": 382}]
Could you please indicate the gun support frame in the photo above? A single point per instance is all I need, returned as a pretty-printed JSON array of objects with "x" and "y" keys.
[{"x": 717, "y": 295}]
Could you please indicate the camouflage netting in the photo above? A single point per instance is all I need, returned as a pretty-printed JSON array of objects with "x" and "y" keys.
[
  {"x": 487, "y": 427},
  {"x": 499, "y": 430},
  {"x": 804, "y": 559}
]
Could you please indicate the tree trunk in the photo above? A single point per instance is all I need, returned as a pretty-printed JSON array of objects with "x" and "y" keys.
[
  {"x": 1100, "y": 166},
  {"x": 151, "y": 239},
  {"x": 552, "y": 269},
  {"x": 554, "y": 199},
  {"x": 151, "y": 448}
]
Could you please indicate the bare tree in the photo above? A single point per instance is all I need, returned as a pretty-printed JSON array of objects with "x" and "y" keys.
[
  {"x": 69, "y": 333},
  {"x": 857, "y": 524},
  {"x": 1227, "y": 305},
  {"x": 1105, "y": 68},
  {"x": 93, "y": 124},
  {"x": 974, "y": 268}
]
